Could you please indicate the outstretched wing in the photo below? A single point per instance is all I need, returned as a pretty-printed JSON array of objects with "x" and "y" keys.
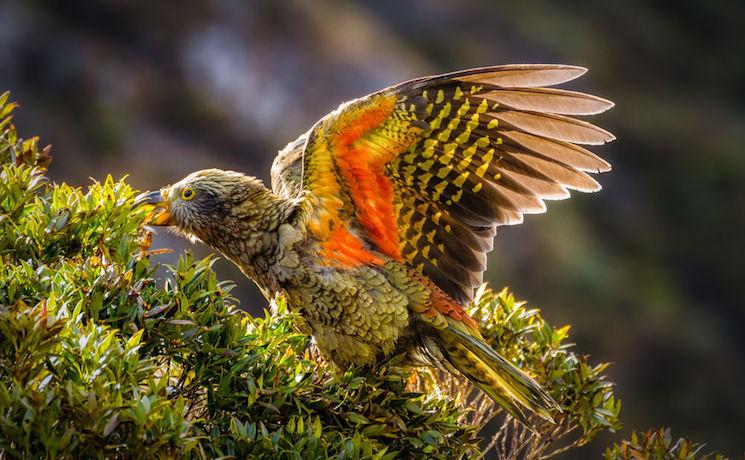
[{"x": 424, "y": 171}]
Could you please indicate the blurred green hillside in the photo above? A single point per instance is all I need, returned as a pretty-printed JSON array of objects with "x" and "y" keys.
[{"x": 648, "y": 271}]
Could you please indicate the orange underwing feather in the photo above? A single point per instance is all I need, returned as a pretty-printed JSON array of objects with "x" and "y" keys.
[
  {"x": 339, "y": 246},
  {"x": 441, "y": 303},
  {"x": 347, "y": 250},
  {"x": 447, "y": 306},
  {"x": 347, "y": 162},
  {"x": 362, "y": 163}
]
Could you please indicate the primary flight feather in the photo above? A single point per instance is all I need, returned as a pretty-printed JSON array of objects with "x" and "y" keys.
[{"x": 380, "y": 216}]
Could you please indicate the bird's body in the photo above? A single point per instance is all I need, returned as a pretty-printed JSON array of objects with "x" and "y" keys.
[
  {"x": 356, "y": 315},
  {"x": 380, "y": 216}
]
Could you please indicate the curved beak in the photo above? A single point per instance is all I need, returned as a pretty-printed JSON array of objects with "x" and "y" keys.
[{"x": 159, "y": 216}]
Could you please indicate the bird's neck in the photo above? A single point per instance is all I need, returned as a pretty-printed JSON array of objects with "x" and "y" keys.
[{"x": 260, "y": 237}]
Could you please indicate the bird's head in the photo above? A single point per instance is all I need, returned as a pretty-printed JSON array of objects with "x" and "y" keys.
[{"x": 206, "y": 204}]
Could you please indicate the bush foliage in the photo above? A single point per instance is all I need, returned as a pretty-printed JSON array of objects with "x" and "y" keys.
[
  {"x": 100, "y": 359},
  {"x": 659, "y": 444}
]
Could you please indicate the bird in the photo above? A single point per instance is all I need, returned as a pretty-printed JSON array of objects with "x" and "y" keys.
[{"x": 379, "y": 218}]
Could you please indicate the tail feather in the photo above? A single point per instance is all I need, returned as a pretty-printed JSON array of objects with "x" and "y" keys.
[{"x": 508, "y": 386}]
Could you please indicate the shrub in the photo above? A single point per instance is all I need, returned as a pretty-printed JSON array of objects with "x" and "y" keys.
[{"x": 659, "y": 444}]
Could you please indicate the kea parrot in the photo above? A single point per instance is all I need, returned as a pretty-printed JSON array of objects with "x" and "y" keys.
[{"x": 379, "y": 218}]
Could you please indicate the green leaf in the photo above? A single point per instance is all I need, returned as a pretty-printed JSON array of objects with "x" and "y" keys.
[{"x": 134, "y": 341}]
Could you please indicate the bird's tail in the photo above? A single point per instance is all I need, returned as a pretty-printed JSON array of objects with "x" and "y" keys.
[{"x": 508, "y": 386}]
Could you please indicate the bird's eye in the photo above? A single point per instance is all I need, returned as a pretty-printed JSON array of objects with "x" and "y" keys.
[{"x": 187, "y": 193}]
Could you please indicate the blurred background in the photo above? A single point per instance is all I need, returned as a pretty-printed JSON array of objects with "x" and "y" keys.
[{"x": 649, "y": 272}]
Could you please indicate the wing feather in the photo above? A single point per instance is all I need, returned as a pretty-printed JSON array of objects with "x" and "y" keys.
[
  {"x": 423, "y": 172},
  {"x": 565, "y": 152},
  {"x": 549, "y": 100},
  {"x": 521, "y": 75},
  {"x": 556, "y": 127}
]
